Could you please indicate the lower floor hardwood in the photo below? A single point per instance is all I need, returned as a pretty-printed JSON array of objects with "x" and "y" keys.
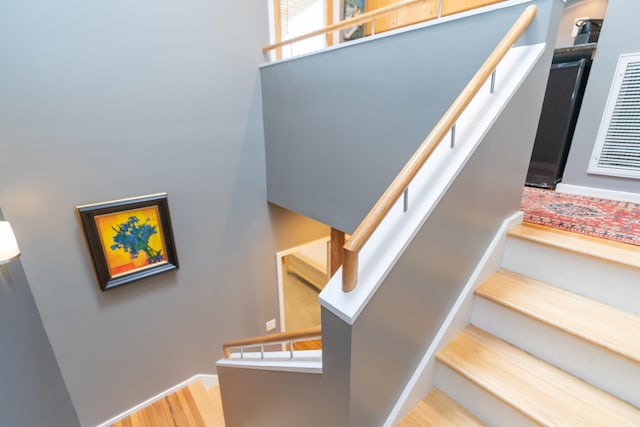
[{"x": 191, "y": 406}]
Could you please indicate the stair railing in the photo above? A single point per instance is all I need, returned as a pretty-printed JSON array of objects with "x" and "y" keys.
[
  {"x": 347, "y": 23},
  {"x": 400, "y": 184},
  {"x": 290, "y": 338}
]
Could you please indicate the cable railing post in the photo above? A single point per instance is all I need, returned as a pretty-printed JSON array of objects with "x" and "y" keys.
[
  {"x": 406, "y": 199},
  {"x": 453, "y": 135},
  {"x": 493, "y": 81},
  {"x": 267, "y": 340}
]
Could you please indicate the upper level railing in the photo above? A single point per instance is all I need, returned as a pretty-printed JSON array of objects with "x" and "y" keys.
[
  {"x": 371, "y": 221},
  {"x": 347, "y": 23},
  {"x": 439, "y": 9},
  {"x": 292, "y": 337}
]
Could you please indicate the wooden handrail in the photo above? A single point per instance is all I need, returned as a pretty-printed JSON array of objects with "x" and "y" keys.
[
  {"x": 409, "y": 171},
  {"x": 344, "y": 24},
  {"x": 280, "y": 337}
]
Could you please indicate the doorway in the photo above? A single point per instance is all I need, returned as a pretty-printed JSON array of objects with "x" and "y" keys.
[{"x": 302, "y": 272}]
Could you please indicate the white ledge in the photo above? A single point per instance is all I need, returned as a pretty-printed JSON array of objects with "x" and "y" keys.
[{"x": 307, "y": 361}]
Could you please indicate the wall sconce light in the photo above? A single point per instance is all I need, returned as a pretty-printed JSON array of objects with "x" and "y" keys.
[{"x": 9, "y": 250}]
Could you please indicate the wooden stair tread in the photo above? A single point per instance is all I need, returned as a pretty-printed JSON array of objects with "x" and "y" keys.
[
  {"x": 540, "y": 391},
  {"x": 437, "y": 409},
  {"x": 205, "y": 404},
  {"x": 214, "y": 392},
  {"x": 608, "y": 327},
  {"x": 607, "y": 250}
]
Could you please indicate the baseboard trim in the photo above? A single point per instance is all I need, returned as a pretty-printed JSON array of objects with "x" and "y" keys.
[
  {"x": 600, "y": 193},
  {"x": 422, "y": 380},
  {"x": 208, "y": 381}
]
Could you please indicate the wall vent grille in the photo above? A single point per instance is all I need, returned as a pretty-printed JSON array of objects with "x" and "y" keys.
[{"x": 617, "y": 148}]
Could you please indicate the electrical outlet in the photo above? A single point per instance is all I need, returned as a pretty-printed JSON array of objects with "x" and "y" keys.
[
  {"x": 271, "y": 325},
  {"x": 574, "y": 30}
]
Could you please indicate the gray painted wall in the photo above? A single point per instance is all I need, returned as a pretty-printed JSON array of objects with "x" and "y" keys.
[
  {"x": 104, "y": 100},
  {"x": 340, "y": 125},
  {"x": 620, "y": 34},
  {"x": 33, "y": 392},
  {"x": 259, "y": 398}
]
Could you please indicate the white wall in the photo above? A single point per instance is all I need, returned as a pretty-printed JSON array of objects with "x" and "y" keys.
[{"x": 104, "y": 100}]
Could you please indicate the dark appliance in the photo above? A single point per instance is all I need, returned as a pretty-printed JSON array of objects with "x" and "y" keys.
[
  {"x": 560, "y": 108},
  {"x": 588, "y": 31}
]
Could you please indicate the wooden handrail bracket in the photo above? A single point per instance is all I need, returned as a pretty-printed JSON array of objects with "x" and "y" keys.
[
  {"x": 281, "y": 337},
  {"x": 401, "y": 182}
]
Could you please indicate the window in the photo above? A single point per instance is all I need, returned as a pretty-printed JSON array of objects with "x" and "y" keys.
[{"x": 296, "y": 17}]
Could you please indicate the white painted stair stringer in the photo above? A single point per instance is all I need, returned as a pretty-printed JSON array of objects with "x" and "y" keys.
[
  {"x": 490, "y": 409},
  {"x": 602, "y": 281},
  {"x": 610, "y": 372}
]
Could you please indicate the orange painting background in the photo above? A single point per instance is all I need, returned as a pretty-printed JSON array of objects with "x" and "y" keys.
[{"x": 119, "y": 261}]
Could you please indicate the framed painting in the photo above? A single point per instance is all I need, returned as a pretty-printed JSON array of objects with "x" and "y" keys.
[
  {"x": 352, "y": 9},
  {"x": 129, "y": 239}
]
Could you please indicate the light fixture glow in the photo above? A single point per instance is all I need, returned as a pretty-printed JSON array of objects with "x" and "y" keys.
[{"x": 8, "y": 245}]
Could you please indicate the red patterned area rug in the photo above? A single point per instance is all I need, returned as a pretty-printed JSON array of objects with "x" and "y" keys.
[{"x": 608, "y": 219}]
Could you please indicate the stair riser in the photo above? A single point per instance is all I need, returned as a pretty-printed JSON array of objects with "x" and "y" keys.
[
  {"x": 599, "y": 280},
  {"x": 484, "y": 405},
  {"x": 600, "y": 367}
]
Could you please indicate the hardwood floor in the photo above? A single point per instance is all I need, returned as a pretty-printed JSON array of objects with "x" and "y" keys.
[
  {"x": 191, "y": 406},
  {"x": 307, "y": 345}
]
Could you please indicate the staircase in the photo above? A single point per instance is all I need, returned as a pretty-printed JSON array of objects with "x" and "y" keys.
[{"x": 554, "y": 339}]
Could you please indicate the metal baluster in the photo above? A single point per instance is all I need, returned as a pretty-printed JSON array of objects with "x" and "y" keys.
[
  {"x": 241, "y": 352},
  {"x": 373, "y": 26},
  {"x": 493, "y": 81},
  {"x": 262, "y": 351},
  {"x": 440, "y": 9},
  {"x": 453, "y": 135},
  {"x": 406, "y": 199},
  {"x": 291, "y": 349}
]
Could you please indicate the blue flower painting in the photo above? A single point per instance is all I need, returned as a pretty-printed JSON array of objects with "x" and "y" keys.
[{"x": 133, "y": 237}]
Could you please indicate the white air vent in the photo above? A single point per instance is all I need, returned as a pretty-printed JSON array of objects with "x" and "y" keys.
[{"x": 617, "y": 148}]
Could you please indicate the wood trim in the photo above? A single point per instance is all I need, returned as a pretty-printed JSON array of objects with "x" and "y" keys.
[
  {"x": 329, "y": 19},
  {"x": 335, "y": 259},
  {"x": 450, "y": 7},
  {"x": 277, "y": 22},
  {"x": 344, "y": 23},
  {"x": 281, "y": 337},
  {"x": 408, "y": 172}
]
